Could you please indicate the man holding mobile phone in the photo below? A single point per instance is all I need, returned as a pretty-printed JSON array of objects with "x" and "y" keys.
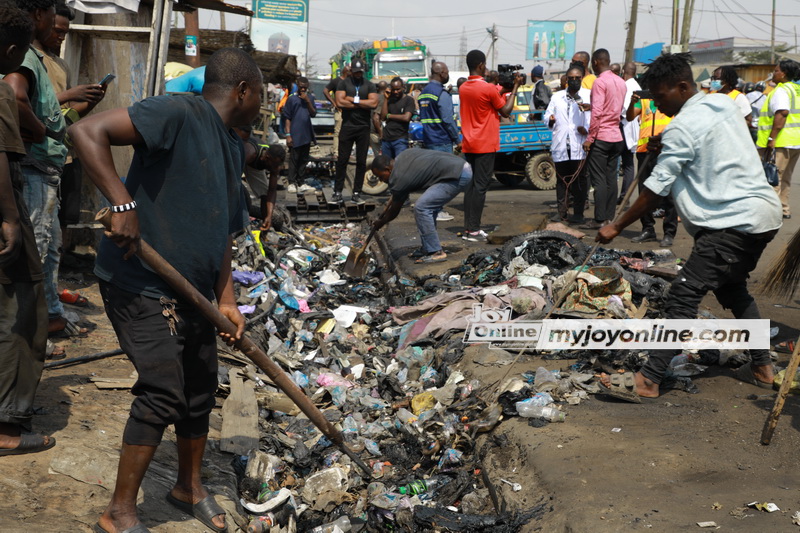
[{"x": 299, "y": 110}]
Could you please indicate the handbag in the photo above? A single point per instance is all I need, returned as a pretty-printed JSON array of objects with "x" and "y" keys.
[{"x": 771, "y": 171}]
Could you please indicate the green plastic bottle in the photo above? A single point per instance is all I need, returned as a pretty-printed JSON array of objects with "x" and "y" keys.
[
  {"x": 553, "y": 44},
  {"x": 562, "y": 47}
]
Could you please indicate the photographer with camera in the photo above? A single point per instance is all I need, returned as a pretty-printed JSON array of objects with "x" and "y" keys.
[{"x": 480, "y": 127}]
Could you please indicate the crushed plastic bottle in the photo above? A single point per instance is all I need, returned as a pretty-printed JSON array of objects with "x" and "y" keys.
[
  {"x": 340, "y": 524},
  {"x": 545, "y": 380},
  {"x": 537, "y": 411}
]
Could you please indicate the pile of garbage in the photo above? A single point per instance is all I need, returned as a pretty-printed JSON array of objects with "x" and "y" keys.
[{"x": 378, "y": 357}]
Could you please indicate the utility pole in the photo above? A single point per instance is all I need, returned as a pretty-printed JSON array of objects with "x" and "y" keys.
[
  {"x": 493, "y": 46},
  {"x": 191, "y": 21},
  {"x": 772, "y": 36},
  {"x": 461, "y": 65},
  {"x": 686, "y": 30},
  {"x": 596, "y": 27},
  {"x": 629, "y": 41},
  {"x": 222, "y": 21}
]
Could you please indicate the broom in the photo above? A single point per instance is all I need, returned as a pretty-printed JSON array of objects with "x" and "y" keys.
[{"x": 784, "y": 272}]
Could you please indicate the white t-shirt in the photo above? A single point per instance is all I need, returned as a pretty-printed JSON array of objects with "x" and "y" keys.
[
  {"x": 630, "y": 129},
  {"x": 743, "y": 104}
]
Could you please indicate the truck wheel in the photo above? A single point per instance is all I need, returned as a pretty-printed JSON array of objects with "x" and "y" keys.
[
  {"x": 509, "y": 180},
  {"x": 541, "y": 172},
  {"x": 372, "y": 185},
  {"x": 556, "y": 249}
]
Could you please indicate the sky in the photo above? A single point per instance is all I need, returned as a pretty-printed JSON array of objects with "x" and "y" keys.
[{"x": 439, "y": 24}]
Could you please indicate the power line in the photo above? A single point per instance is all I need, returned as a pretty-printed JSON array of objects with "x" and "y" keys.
[{"x": 451, "y": 15}]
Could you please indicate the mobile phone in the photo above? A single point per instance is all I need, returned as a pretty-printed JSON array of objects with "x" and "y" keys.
[
  {"x": 108, "y": 79},
  {"x": 644, "y": 94}
]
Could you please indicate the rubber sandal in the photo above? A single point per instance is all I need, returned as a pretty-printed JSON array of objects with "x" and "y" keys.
[
  {"x": 54, "y": 352},
  {"x": 745, "y": 373},
  {"x": 138, "y": 528},
  {"x": 70, "y": 330},
  {"x": 73, "y": 298},
  {"x": 430, "y": 259},
  {"x": 204, "y": 510},
  {"x": 29, "y": 443},
  {"x": 623, "y": 387},
  {"x": 416, "y": 254}
]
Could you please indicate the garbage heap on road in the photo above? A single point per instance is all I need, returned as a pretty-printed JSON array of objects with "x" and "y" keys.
[{"x": 379, "y": 357}]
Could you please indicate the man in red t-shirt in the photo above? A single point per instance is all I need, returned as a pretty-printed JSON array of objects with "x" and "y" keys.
[{"x": 480, "y": 103}]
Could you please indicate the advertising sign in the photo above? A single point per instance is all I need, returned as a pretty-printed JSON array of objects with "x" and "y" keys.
[
  {"x": 281, "y": 26},
  {"x": 550, "y": 40},
  {"x": 288, "y": 10}
]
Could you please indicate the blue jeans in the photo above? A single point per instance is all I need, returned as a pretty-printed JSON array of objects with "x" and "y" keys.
[
  {"x": 40, "y": 192},
  {"x": 446, "y": 147},
  {"x": 394, "y": 148},
  {"x": 431, "y": 202}
]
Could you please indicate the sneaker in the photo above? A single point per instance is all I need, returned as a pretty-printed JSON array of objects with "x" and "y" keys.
[
  {"x": 336, "y": 198},
  {"x": 444, "y": 216},
  {"x": 305, "y": 188},
  {"x": 475, "y": 236},
  {"x": 356, "y": 198},
  {"x": 666, "y": 242},
  {"x": 592, "y": 224},
  {"x": 291, "y": 189},
  {"x": 645, "y": 236}
]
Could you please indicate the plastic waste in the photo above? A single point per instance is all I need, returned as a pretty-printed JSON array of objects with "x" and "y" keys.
[
  {"x": 544, "y": 380},
  {"x": 538, "y": 411},
  {"x": 261, "y": 524},
  {"x": 424, "y": 486},
  {"x": 340, "y": 524}
]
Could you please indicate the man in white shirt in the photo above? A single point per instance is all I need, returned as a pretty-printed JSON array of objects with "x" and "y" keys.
[
  {"x": 566, "y": 117},
  {"x": 709, "y": 165},
  {"x": 630, "y": 129}
]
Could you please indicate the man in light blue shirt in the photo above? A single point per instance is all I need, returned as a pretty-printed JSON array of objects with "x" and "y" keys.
[{"x": 708, "y": 163}]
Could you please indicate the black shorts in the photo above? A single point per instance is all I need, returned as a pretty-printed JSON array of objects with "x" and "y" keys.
[{"x": 177, "y": 373}]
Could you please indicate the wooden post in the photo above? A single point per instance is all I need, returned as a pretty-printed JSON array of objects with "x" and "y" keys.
[
  {"x": 783, "y": 392},
  {"x": 629, "y": 41},
  {"x": 596, "y": 27},
  {"x": 192, "y": 22}
]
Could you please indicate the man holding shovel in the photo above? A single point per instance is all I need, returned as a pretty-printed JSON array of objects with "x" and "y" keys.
[
  {"x": 708, "y": 163},
  {"x": 184, "y": 190},
  {"x": 441, "y": 175}
]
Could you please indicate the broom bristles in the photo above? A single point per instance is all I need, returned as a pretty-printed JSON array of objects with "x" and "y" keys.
[{"x": 784, "y": 272}]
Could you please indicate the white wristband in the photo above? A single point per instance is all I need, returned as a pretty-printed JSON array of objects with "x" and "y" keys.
[{"x": 124, "y": 207}]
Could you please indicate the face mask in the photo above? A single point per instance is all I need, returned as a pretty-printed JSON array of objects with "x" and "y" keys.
[
  {"x": 716, "y": 85},
  {"x": 573, "y": 85}
]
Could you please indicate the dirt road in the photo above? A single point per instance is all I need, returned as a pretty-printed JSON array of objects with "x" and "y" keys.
[{"x": 675, "y": 461}]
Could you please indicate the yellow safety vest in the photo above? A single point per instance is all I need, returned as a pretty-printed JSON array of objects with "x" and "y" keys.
[
  {"x": 651, "y": 124},
  {"x": 790, "y": 134},
  {"x": 734, "y": 93}
]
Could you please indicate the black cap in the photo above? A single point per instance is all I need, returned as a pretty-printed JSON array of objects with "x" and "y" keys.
[{"x": 357, "y": 66}]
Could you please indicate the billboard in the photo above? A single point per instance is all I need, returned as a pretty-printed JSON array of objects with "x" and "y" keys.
[
  {"x": 550, "y": 40},
  {"x": 281, "y": 26}
]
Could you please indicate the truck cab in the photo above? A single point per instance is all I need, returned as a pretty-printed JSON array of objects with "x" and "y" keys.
[{"x": 410, "y": 65}]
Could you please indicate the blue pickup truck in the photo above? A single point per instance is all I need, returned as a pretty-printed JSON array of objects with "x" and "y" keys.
[{"x": 525, "y": 152}]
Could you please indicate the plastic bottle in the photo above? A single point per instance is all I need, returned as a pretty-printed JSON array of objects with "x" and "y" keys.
[
  {"x": 537, "y": 411},
  {"x": 261, "y": 524},
  {"x": 343, "y": 523},
  {"x": 423, "y": 486}
]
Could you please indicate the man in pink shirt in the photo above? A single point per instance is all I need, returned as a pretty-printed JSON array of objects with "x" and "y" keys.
[{"x": 605, "y": 142}]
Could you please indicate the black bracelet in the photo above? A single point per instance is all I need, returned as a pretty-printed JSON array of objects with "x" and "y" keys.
[{"x": 124, "y": 207}]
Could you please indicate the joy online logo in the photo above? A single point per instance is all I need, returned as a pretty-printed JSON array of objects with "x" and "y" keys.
[{"x": 495, "y": 326}]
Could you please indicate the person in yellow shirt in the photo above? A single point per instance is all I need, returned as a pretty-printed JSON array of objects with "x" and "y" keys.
[
  {"x": 588, "y": 78},
  {"x": 652, "y": 124}
]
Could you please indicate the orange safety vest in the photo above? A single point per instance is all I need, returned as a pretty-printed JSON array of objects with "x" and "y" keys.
[{"x": 651, "y": 124}]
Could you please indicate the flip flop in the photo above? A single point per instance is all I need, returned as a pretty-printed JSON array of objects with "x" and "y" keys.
[
  {"x": 416, "y": 254},
  {"x": 70, "y": 330},
  {"x": 29, "y": 443},
  {"x": 138, "y": 528},
  {"x": 54, "y": 352},
  {"x": 430, "y": 259},
  {"x": 745, "y": 373},
  {"x": 73, "y": 297},
  {"x": 204, "y": 510},
  {"x": 623, "y": 387}
]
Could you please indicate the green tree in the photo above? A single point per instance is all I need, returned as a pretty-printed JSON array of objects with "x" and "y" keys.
[{"x": 763, "y": 56}]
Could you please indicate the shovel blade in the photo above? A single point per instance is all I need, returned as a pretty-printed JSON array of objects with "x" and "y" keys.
[{"x": 356, "y": 264}]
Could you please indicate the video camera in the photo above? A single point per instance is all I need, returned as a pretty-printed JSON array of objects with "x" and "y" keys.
[{"x": 506, "y": 75}]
